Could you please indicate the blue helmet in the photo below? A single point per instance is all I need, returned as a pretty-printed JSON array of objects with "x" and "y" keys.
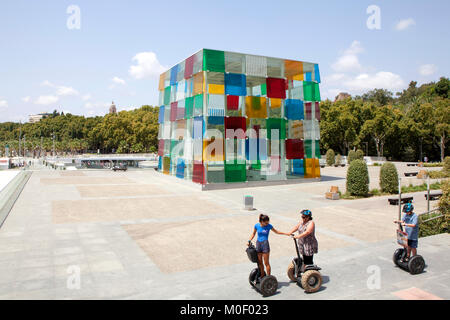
[
  {"x": 408, "y": 207},
  {"x": 306, "y": 212}
]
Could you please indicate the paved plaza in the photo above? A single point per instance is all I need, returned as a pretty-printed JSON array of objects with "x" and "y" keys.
[{"x": 143, "y": 235}]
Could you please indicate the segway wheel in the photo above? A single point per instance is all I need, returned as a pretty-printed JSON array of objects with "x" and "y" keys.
[
  {"x": 416, "y": 264},
  {"x": 291, "y": 272},
  {"x": 269, "y": 286},
  {"x": 311, "y": 281},
  {"x": 252, "y": 277},
  {"x": 397, "y": 256}
]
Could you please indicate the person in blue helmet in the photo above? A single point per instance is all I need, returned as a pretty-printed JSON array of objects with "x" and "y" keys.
[
  {"x": 410, "y": 221},
  {"x": 307, "y": 242}
]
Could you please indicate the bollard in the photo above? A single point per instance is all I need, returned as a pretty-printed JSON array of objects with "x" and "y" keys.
[{"x": 248, "y": 202}]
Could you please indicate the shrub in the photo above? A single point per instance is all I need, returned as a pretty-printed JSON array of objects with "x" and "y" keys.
[
  {"x": 447, "y": 164},
  {"x": 330, "y": 157},
  {"x": 338, "y": 160},
  {"x": 358, "y": 178},
  {"x": 352, "y": 155},
  {"x": 389, "y": 178},
  {"x": 360, "y": 154},
  {"x": 438, "y": 174}
]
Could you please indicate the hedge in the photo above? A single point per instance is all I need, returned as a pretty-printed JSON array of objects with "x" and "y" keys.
[{"x": 358, "y": 178}]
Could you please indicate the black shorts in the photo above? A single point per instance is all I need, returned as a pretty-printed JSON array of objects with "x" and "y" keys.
[{"x": 262, "y": 246}]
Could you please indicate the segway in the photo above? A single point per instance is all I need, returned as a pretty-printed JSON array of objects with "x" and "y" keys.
[
  {"x": 267, "y": 285},
  {"x": 310, "y": 280},
  {"x": 416, "y": 264}
]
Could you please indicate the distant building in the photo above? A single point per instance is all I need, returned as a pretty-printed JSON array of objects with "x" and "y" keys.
[
  {"x": 113, "y": 108},
  {"x": 342, "y": 96},
  {"x": 38, "y": 117}
]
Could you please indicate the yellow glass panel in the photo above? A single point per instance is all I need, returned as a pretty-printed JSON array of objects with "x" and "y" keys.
[
  {"x": 198, "y": 83},
  {"x": 216, "y": 88},
  {"x": 161, "y": 81},
  {"x": 275, "y": 103},
  {"x": 316, "y": 168},
  {"x": 309, "y": 168},
  {"x": 293, "y": 70},
  {"x": 256, "y": 107},
  {"x": 213, "y": 150}
]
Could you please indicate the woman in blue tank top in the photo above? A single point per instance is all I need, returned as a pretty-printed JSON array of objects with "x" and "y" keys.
[{"x": 262, "y": 244}]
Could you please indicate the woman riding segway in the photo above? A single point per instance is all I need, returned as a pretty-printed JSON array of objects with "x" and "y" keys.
[
  {"x": 302, "y": 269},
  {"x": 262, "y": 244}
]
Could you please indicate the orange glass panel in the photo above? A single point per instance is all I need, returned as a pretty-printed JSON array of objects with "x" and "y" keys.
[
  {"x": 275, "y": 103},
  {"x": 198, "y": 83},
  {"x": 293, "y": 70},
  {"x": 161, "y": 81},
  {"x": 256, "y": 107},
  {"x": 213, "y": 150},
  {"x": 297, "y": 129}
]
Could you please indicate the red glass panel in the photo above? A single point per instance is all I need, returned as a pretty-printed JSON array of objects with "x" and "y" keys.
[
  {"x": 189, "y": 67},
  {"x": 276, "y": 88},
  {"x": 173, "y": 111},
  {"x": 198, "y": 173},
  {"x": 235, "y": 123},
  {"x": 161, "y": 147},
  {"x": 232, "y": 102},
  {"x": 294, "y": 149}
]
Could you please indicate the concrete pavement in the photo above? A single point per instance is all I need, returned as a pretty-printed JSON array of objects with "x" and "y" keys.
[{"x": 142, "y": 235}]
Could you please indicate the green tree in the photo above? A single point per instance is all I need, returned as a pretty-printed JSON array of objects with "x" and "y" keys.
[{"x": 389, "y": 178}]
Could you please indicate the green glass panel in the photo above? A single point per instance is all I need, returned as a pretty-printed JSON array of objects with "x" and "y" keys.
[
  {"x": 215, "y": 174},
  {"x": 276, "y": 124},
  {"x": 167, "y": 96},
  {"x": 198, "y": 105},
  {"x": 308, "y": 149},
  {"x": 213, "y": 60},
  {"x": 176, "y": 148},
  {"x": 235, "y": 172},
  {"x": 316, "y": 92},
  {"x": 311, "y": 91},
  {"x": 317, "y": 151},
  {"x": 189, "y": 108},
  {"x": 264, "y": 89}
]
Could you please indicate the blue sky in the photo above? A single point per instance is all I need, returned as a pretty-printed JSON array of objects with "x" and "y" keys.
[{"x": 122, "y": 46}]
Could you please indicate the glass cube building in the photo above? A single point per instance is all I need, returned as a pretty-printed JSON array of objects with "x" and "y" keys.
[{"x": 233, "y": 117}]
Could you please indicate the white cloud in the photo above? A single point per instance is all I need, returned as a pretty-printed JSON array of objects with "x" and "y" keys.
[
  {"x": 118, "y": 80},
  {"x": 86, "y": 97},
  {"x": 427, "y": 69},
  {"x": 96, "y": 105},
  {"x": 404, "y": 24},
  {"x": 380, "y": 80},
  {"x": 350, "y": 76},
  {"x": 61, "y": 90},
  {"x": 147, "y": 66},
  {"x": 3, "y": 103},
  {"x": 46, "y": 100},
  {"x": 26, "y": 99},
  {"x": 348, "y": 61}
]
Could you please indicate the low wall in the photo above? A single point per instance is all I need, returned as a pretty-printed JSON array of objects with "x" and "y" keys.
[{"x": 10, "y": 193}]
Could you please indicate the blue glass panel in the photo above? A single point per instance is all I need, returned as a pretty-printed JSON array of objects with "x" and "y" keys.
[
  {"x": 235, "y": 84},
  {"x": 294, "y": 109}
]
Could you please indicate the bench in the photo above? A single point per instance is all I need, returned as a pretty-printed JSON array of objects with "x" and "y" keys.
[
  {"x": 409, "y": 174},
  {"x": 433, "y": 196},
  {"x": 411, "y": 164},
  {"x": 333, "y": 194},
  {"x": 394, "y": 201}
]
